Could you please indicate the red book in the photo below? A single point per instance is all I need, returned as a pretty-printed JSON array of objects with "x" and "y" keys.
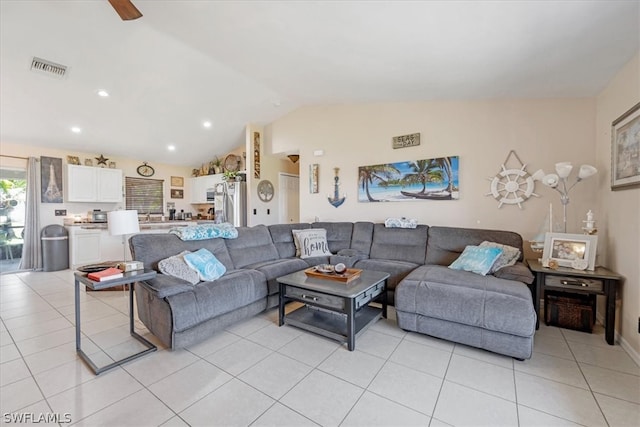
[{"x": 108, "y": 274}]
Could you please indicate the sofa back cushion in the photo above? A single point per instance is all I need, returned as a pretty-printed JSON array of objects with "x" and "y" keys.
[
  {"x": 152, "y": 248},
  {"x": 338, "y": 234},
  {"x": 445, "y": 244},
  {"x": 253, "y": 245},
  {"x": 402, "y": 244},
  {"x": 362, "y": 237},
  {"x": 282, "y": 237}
]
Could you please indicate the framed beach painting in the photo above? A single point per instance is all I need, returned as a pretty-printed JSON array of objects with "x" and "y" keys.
[
  {"x": 410, "y": 181},
  {"x": 625, "y": 149}
]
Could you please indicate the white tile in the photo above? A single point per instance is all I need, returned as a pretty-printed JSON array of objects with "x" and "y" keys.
[
  {"x": 19, "y": 394},
  {"x": 549, "y": 331},
  {"x": 611, "y": 357},
  {"x": 175, "y": 422},
  {"x": 437, "y": 423},
  {"x": 38, "y": 329},
  {"x": 484, "y": 355},
  {"x": 377, "y": 343},
  {"x": 421, "y": 358},
  {"x": 64, "y": 377},
  {"x": 139, "y": 409},
  {"x": 103, "y": 324},
  {"x": 619, "y": 412},
  {"x": 274, "y": 336},
  {"x": 553, "y": 368},
  {"x": 482, "y": 376},
  {"x": 239, "y": 356},
  {"x": 356, "y": 367},
  {"x": 324, "y": 399},
  {"x": 214, "y": 343},
  {"x": 552, "y": 346},
  {"x": 13, "y": 371},
  {"x": 9, "y": 352},
  {"x": 5, "y": 338},
  {"x": 31, "y": 416},
  {"x": 186, "y": 386},
  {"x": 458, "y": 405},
  {"x": 310, "y": 349},
  {"x": 155, "y": 366},
  {"x": 564, "y": 401},
  {"x": 45, "y": 342},
  {"x": 32, "y": 319},
  {"x": 281, "y": 416},
  {"x": 434, "y": 342},
  {"x": 531, "y": 418},
  {"x": 373, "y": 410},
  {"x": 94, "y": 395},
  {"x": 249, "y": 326},
  {"x": 275, "y": 375},
  {"x": 233, "y": 404},
  {"x": 408, "y": 387},
  {"x": 388, "y": 327},
  {"x": 595, "y": 338},
  {"x": 612, "y": 383},
  {"x": 56, "y": 356}
]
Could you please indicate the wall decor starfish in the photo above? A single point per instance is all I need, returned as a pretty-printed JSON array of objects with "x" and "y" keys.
[{"x": 102, "y": 160}]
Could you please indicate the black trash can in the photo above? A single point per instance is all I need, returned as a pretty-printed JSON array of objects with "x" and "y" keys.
[{"x": 55, "y": 248}]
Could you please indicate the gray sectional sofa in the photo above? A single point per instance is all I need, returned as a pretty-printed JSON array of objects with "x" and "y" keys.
[{"x": 491, "y": 312}]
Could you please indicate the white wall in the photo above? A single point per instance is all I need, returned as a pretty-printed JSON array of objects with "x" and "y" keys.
[
  {"x": 47, "y": 210},
  {"x": 542, "y": 132},
  {"x": 619, "y": 226}
]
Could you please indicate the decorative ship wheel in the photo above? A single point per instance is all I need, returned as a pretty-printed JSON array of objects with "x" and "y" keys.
[{"x": 512, "y": 186}]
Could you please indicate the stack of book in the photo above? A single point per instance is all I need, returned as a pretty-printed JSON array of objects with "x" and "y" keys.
[{"x": 104, "y": 275}]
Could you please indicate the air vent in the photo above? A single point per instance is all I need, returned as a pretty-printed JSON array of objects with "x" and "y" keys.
[{"x": 51, "y": 69}]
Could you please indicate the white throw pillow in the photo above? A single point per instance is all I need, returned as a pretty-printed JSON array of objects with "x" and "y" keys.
[
  {"x": 177, "y": 267},
  {"x": 509, "y": 255},
  {"x": 311, "y": 242}
]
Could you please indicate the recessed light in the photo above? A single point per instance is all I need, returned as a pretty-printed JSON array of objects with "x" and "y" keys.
[
  {"x": 207, "y": 124},
  {"x": 76, "y": 129},
  {"x": 171, "y": 147},
  {"x": 102, "y": 93}
]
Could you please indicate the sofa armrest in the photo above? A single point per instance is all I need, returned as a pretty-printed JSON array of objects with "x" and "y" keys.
[
  {"x": 165, "y": 286},
  {"x": 518, "y": 271}
]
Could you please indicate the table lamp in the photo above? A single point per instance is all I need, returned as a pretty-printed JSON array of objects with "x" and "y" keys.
[{"x": 121, "y": 223}]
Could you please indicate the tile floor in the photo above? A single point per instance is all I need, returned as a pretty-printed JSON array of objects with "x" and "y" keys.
[{"x": 258, "y": 374}]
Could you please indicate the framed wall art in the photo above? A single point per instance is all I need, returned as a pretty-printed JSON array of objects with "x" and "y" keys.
[
  {"x": 177, "y": 193},
  {"x": 571, "y": 250},
  {"x": 177, "y": 181},
  {"x": 625, "y": 149},
  {"x": 256, "y": 155},
  {"x": 51, "y": 180},
  {"x": 313, "y": 178}
]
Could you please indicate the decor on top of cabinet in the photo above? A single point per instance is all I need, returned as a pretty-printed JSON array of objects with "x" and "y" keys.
[
  {"x": 426, "y": 179},
  {"x": 145, "y": 170},
  {"x": 112, "y": 165},
  {"x": 73, "y": 160},
  {"x": 625, "y": 150},
  {"x": 102, "y": 160},
  {"x": 50, "y": 180},
  {"x": 265, "y": 190},
  {"x": 232, "y": 163},
  {"x": 513, "y": 186},
  {"x": 336, "y": 200},
  {"x": 88, "y": 162}
]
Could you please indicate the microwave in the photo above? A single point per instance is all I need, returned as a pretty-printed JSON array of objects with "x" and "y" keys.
[{"x": 97, "y": 216}]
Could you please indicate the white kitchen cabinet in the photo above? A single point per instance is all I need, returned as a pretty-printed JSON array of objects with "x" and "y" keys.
[
  {"x": 89, "y": 184},
  {"x": 200, "y": 185},
  {"x": 84, "y": 246}
]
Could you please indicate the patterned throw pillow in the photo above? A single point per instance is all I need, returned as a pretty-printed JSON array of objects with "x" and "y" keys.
[
  {"x": 509, "y": 255},
  {"x": 311, "y": 242},
  {"x": 476, "y": 259},
  {"x": 206, "y": 264},
  {"x": 175, "y": 266}
]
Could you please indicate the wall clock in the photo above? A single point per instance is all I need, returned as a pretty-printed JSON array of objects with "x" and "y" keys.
[
  {"x": 231, "y": 163},
  {"x": 265, "y": 190},
  {"x": 145, "y": 170}
]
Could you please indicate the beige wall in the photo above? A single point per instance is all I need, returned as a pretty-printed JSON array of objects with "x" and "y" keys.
[
  {"x": 619, "y": 226},
  {"x": 127, "y": 165},
  {"x": 542, "y": 132}
]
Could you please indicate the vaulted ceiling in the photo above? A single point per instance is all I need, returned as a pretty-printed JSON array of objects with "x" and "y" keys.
[{"x": 234, "y": 63}]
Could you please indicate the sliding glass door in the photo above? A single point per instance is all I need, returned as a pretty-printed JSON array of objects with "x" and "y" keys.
[{"x": 13, "y": 190}]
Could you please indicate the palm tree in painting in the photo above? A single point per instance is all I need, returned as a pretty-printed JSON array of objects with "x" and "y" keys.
[
  {"x": 423, "y": 171},
  {"x": 445, "y": 164},
  {"x": 371, "y": 174}
]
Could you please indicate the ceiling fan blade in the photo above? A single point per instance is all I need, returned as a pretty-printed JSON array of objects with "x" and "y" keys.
[{"x": 125, "y": 9}]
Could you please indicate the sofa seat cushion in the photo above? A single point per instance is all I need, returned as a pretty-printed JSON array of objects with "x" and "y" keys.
[
  {"x": 206, "y": 300},
  {"x": 397, "y": 269},
  {"x": 459, "y": 296}
]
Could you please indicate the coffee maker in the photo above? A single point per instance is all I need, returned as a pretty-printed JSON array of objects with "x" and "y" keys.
[{"x": 172, "y": 214}]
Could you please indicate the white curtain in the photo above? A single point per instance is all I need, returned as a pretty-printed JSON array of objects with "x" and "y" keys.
[{"x": 32, "y": 248}]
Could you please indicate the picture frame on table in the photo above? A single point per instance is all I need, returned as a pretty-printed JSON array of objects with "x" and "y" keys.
[
  {"x": 625, "y": 150},
  {"x": 576, "y": 251}
]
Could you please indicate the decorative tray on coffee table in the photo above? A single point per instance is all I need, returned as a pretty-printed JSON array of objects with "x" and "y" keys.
[{"x": 321, "y": 273}]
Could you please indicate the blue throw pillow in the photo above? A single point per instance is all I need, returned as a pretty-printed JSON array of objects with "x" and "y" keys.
[
  {"x": 477, "y": 259},
  {"x": 206, "y": 264}
]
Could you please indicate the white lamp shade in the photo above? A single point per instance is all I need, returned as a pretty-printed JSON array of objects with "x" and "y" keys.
[
  {"x": 564, "y": 169},
  {"x": 538, "y": 175},
  {"x": 586, "y": 171},
  {"x": 123, "y": 222},
  {"x": 551, "y": 180}
]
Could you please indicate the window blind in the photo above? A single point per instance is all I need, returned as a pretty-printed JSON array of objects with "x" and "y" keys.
[{"x": 145, "y": 195}]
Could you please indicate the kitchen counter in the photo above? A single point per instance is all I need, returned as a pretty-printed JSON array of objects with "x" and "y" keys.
[{"x": 143, "y": 225}]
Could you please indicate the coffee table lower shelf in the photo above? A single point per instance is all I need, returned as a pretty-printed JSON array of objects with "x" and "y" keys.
[{"x": 331, "y": 324}]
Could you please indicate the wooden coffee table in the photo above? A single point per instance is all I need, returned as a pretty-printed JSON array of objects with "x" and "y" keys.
[{"x": 333, "y": 309}]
